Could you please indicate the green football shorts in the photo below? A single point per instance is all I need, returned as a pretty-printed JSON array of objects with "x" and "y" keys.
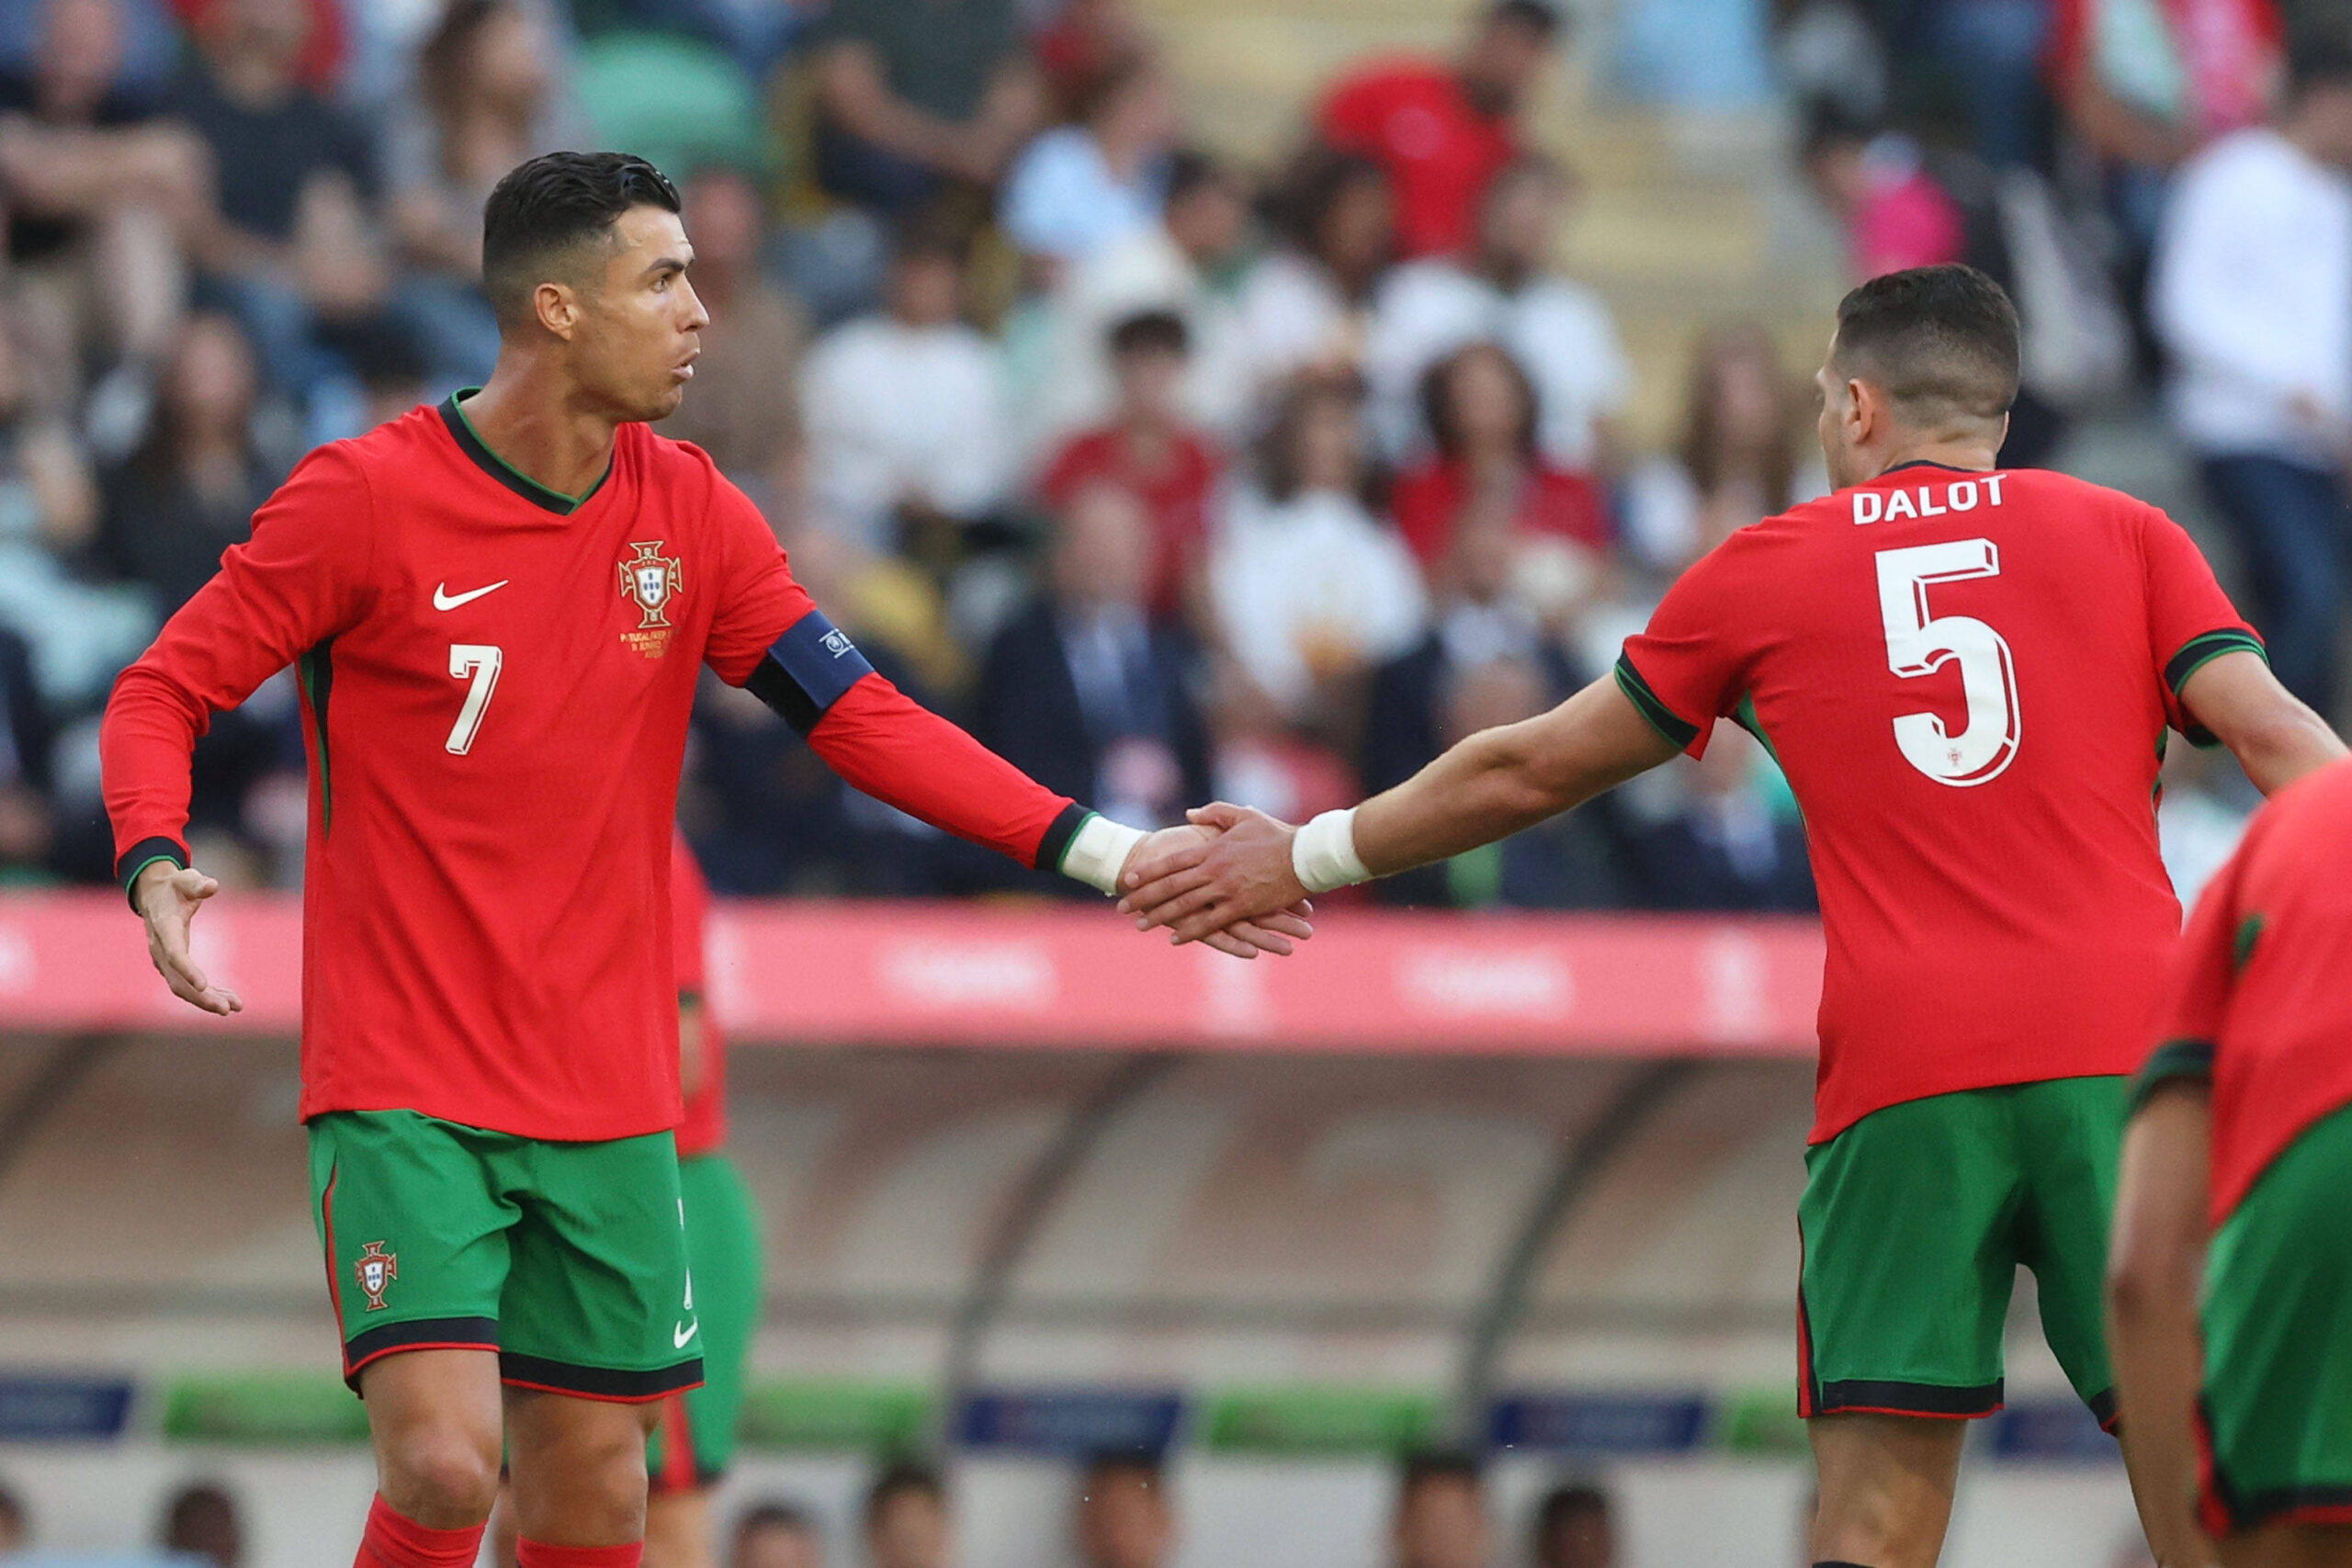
[
  {"x": 1914, "y": 1221},
  {"x": 567, "y": 1259},
  {"x": 694, "y": 1439},
  {"x": 2277, "y": 1426}
]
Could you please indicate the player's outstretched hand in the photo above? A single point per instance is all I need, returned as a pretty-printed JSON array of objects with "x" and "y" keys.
[
  {"x": 1273, "y": 932},
  {"x": 1241, "y": 873},
  {"x": 168, "y": 896}
]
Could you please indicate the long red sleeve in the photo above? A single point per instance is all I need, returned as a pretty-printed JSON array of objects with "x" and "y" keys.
[
  {"x": 899, "y": 752},
  {"x": 276, "y": 597}
]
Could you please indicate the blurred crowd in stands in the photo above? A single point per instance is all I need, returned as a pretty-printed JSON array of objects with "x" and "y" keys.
[
  {"x": 1122, "y": 1515},
  {"x": 1172, "y": 478}
]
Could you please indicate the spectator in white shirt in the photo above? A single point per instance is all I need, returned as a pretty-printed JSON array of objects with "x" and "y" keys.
[
  {"x": 1080, "y": 187},
  {"x": 904, "y": 409},
  {"x": 2252, "y": 294},
  {"x": 1305, "y": 307},
  {"x": 1504, "y": 291},
  {"x": 1308, "y": 586},
  {"x": 1185, "y": 264}
]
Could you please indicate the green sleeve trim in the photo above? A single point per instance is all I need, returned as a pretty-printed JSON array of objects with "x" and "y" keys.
[
  {"x": 2249, "y": 931},
  {"x": 1662, "y": 719},
  {"x": 2197, "y": 652},
  {"x": 2175, "y": 1061},
  {"x": 130, "y": 877}
]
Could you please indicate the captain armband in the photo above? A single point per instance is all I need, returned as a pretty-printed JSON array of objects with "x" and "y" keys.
[{"x": 807, "y": 671}]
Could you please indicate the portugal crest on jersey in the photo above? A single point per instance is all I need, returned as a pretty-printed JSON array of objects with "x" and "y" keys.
[
  {"x": 377, "y": 1269},
  {"x": 650, "y": 581}
]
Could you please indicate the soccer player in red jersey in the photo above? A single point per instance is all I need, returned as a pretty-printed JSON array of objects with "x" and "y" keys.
[
  {"x": 2232, "y": 1259},
  {"x": 1967, "y": 675},
  {"x": 498, "y": 608},
  {"x": 693, "y": 1437}
]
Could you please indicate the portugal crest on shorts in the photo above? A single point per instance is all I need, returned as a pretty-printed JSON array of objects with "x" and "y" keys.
[{"x": 377, "y": 1269}]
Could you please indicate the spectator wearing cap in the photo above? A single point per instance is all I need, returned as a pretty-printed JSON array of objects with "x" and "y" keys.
[
  {"x": 1441, "y": 130},
  {"x": 1188, "y": 263},
  {"x": 904, "y": 411},
  {"x": 1441, "y": 1520},
  {"x": 1123, "y": 1516},
  {"x": 1502, "y": 287},
  {"x": 915, "y": 93},
  {"x": 1081, "y": 187},
  {"x": 2253, "y": 296},
  {"x": 1150, "y": 450}
]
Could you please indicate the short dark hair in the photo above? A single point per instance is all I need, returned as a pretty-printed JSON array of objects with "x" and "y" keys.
[
  {"x": 1942, "y": 342},
  {"x": 1436, "y": 1466},
  {"x": 1141, "y": 1464},
  {"x": 774, "y": 1515},
  {"x": 1190, "y": 169},
  {"x": 1441, "y": 411},
  {"x": 1538, "y": 17},
  {"x": 1151, "y": 331},
  {"x": 554, "y": 204},
  {"x": 1569, "y": 1500},
  {"x": 902, "y": 1478},
  {"x": 2319, "y": 57}
]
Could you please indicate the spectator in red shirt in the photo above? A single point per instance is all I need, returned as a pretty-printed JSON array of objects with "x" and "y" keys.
[
  {"x": 1481, "y": 411},
  {"x": 1150, "y": 450},
  {"x": 1443, "y": 130}
]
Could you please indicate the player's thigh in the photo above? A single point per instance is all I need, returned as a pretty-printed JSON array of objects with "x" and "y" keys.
[
  {"x": 1908, "y": 1260},
  {"x": 693, "y": 1440},
  {"x": 596, "y": 1298},
  {"x": 2278, "y": 1333},
  {"x": 414, "y": 1227},
  {"x": 2071, "y": 1143}
]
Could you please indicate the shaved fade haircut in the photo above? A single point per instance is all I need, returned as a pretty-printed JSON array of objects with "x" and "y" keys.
[
  {"x": 1942, "y": 342},
  {"x": 546, "y": 216}
]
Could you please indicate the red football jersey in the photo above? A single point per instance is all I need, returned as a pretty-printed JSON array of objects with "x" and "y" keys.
[
  {"x": 496, "y": 681},
  {"x": 703, "y": 1126},
  {"x": 1967, "y": 677},
  {"x": 2260, "y": 1000},
  {"x": 1412, "y": 118}
]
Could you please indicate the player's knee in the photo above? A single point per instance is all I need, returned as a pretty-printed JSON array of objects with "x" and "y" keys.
[{"x": 446, "y": 1472}]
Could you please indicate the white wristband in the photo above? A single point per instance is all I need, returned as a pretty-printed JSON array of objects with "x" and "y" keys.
[
  {"x": 1323, "y": 854},
  {"x": 1099, "y": 850}
]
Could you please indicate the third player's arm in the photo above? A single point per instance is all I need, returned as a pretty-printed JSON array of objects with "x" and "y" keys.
[
  {"x": 2156, "y": 1261},
  {"x": 2275, "y": 736}
]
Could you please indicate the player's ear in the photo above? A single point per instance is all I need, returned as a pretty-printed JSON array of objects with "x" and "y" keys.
[
  {"x": 1866, "y": 412},
  {"x": 558, "y": 308}
]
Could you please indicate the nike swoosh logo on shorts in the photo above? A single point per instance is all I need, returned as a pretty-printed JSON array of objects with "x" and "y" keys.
[
  {"x": 678, "y": 1336},
  {"x": 445, "y": 599}
]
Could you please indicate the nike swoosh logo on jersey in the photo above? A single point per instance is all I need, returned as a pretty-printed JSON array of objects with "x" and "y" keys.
[
  {"x": 445, "y": 599},
  {"x": 679, "y": 1337}
]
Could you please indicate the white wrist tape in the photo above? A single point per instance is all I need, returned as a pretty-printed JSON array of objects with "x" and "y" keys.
[
  {"x": 1323, "y": 854},
  {"x": 1099, "y": 850}
]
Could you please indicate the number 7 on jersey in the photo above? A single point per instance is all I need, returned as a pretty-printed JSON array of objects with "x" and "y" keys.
[
  {"x": 1919, "y": 642},
  {"x": 480, "y": 661}
]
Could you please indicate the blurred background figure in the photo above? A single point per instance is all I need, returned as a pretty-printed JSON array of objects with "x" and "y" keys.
[
  {"x": 2249, "y": 298},
  {"x": 1440, "y": 131},
  {"x": 907, "y": 1519},
  {"x": 1575, "y": 1528},
  {"x": 776, "y": 1535},
  {"x": 1082, "y": 188},
  {"x": 16, "y": 1532},
  {"x": 1306, "y": 306},
  {"x": 1086, "y": 687},
  {"x": 915, "y": 97},
  {"x": 1746, "y": 452},
  {"x": 1123, "y": 1518},
  {"x": 1440, "y": 1521},
  {"x": 201, "y": 1522}
]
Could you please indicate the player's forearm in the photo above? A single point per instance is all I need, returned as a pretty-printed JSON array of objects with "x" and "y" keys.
[
  {"x": 1507, "y": 779},
  {"x": 899, "y": 752},
  {"x": 145, "y": 742},
  {"x": 2282, "y": 750}
]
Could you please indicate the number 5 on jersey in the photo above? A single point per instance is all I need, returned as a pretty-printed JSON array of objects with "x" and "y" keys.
[
  {"x": 1919, "y": 642},
  {"x": 480, "y": 661}
]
